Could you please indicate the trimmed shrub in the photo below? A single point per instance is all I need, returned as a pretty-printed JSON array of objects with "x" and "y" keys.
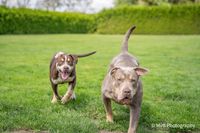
[
  {"x": 151, "y": 20},
  {"x": 27, "y": 21}
]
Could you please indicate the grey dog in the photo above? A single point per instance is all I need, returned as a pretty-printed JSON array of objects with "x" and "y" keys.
[
  {"x": 63, "y": 70},
  {"x": 123, "y": 85}
]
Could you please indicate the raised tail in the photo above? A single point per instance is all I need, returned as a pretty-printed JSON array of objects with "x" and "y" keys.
[
  {"x": 124, "y": 47},
  {"x": 84, "y": 55}
]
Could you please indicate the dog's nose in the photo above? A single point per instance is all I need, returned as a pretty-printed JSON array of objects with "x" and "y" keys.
[
  {"x": 66, "y": 68},
  {"x": 127, "y": 91}
]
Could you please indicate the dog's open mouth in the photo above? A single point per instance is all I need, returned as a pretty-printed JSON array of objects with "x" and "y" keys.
[
  {"x": 126, "y": 100},
  {"x": 64, "y": 74}
]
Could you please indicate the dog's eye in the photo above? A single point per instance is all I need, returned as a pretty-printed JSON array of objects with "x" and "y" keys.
[
  {"x": 68, "y": 59},
  {"x": 133, "y": 80},
  {"x": 119, "y": 79},
  {"x": 62, "y": 59}
]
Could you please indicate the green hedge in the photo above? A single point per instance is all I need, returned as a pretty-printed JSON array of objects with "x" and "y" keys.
[
  {"x": 27, "y": 21},
  {"x": 151, "y": 20}
]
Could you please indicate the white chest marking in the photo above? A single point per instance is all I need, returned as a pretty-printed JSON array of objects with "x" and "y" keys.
[{"x": 59, "y": 80}]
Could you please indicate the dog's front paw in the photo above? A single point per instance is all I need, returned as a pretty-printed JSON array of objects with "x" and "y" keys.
[
  {"x": 131, "y": 130},
  {"x": 109, "y": 118},
  {"x": 64, "y": 100},
  {"x": 54, "y": 100}
]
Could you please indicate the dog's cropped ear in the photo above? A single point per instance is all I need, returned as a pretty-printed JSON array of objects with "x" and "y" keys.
[
  {"x": 141, "y": 71},
  {"x": 113, "y": 71},
  {"x": 75, "y": 58},
  {"x": 58, "y": 54}
]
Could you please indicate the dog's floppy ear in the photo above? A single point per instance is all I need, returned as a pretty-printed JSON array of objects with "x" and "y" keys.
[
  {"x": 141, "y": 71},
  {"x": 75, "y": 58},
  {"x": 113, "y": 71}
]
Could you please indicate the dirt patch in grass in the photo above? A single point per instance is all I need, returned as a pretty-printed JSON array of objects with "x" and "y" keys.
[
  {"x": 27, "y": 131},
  {"x": 110, "y": 132},
  {"x": 31, "y": 131}
]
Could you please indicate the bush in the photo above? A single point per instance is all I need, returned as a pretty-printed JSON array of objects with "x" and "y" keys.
[
  {"x": 26, "y": 21},
  {"x": 151, "y": 20}
]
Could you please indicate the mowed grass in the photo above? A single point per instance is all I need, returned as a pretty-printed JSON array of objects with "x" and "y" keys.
[{"x": 171, "y": 89}]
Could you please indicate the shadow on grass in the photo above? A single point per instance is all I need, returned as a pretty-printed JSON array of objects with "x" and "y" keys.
[{"x": 80, "y": 103}]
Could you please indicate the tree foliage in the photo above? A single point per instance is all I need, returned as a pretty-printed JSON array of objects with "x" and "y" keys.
[
  {"x": 55, "y": 5},
  {"x": 153, "y": 2}
]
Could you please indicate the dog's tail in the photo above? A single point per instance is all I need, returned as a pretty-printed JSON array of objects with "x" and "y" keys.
[
  {"x": 124, "y": 47},
  {"x": 87, "y": 54}
]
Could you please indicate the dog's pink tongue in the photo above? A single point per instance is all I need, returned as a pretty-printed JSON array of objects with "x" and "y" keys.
[{"x": 64, "y": 75}]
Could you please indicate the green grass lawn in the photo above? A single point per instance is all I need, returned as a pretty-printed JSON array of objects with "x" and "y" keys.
[{"x": 171, "y": 89}]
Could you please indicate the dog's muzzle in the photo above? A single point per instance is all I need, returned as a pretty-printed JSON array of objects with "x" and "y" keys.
[
  {"x": 64, "y": 74},
  {"x": 125, "y": 100},
  {"x": 126, "y": 97}
]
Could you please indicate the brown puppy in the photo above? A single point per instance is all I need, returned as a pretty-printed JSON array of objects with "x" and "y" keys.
[
  {"x": 63, "y": 70},
  {"x": 123, "y": 85}
]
